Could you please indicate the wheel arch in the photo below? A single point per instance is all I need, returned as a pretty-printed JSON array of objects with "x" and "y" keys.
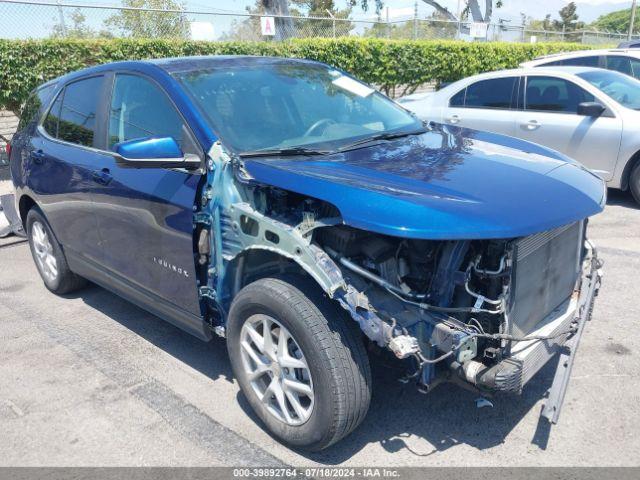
[
  {"x": 258, "y": 262},
  {"x": 628, "y": 168},
  {"x": 25, "y": 204}
]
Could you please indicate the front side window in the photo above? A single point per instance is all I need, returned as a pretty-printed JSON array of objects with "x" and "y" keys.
[
  {"x": 623, "y": 89},
  {"x": 552, "y": 94},
  {"x": 77, "y": 121},
  {"x": 494, "y": 93},
  {"x": 140, "y": 109},
  {"x": 291, "y": 104}
]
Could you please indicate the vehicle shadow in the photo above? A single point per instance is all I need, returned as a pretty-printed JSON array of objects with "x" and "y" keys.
[
  {"x": 209, "y": 358},
  {"x": 446, "y": 417},
  {"x": 621, "y": 199}
]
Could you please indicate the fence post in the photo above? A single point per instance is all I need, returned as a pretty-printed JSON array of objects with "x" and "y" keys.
[
  {"x": 63, "y": 25},
  {"x": 415, "y": 20},
  {"x": 388, "y": 25}
]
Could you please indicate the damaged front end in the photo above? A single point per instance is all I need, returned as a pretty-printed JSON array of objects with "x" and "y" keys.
[{"x": 488, "y": 313}]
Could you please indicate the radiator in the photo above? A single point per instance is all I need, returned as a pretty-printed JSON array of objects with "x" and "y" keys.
[{"x": 545, "y": 270}]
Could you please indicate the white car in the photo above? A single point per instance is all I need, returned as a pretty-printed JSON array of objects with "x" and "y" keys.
[
  {"x": 625, "y": 61},
  {"x": 589, "y": 114}
]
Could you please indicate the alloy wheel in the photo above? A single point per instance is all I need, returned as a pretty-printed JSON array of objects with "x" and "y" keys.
[
  {"x": 43, "y": 249},
  {"x": 277, "y": 369}
]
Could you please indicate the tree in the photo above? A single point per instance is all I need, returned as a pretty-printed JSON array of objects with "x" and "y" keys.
[
  {"x": 617, "y": 21},
  {"x": 74, "y": 26},
  {"x": 471, "y": 7},
  {"x": 568, "y": 18},
  {"x": 150, "y": 24}
]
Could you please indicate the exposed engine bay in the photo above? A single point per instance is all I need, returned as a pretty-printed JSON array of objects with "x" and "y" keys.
[{"x": 485, "y": 313}]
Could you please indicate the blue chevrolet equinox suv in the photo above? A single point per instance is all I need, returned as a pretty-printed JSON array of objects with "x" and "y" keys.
[{"x": 309, "y": 220}]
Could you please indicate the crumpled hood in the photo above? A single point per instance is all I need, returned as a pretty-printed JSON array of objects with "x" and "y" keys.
[{"x": 449, "y": 183}]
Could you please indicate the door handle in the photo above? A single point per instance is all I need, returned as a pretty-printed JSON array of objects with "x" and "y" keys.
[
  {"x": 37, "y": 156},
  {"x": 453, "y": 119},
  {"x": 531, "y": 125},
  {"x": 103, "y": 177}
]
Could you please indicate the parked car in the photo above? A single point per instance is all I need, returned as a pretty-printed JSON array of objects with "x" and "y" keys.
[
  {"x": 620, "y": 60},
  {"x": 295, "y": 211},
  {"x": 589, "y": 114},
  {"x": 629, "y": 44}
]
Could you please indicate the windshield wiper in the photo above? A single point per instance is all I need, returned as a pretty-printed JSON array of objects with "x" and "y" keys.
[
  {"x": 381, "y": 136},
  {"x": 270, "y": 152}
]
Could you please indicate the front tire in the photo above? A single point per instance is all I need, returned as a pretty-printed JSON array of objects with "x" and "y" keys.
[
  {"x": 300, "y": 362},
  {"x": 49, "y": 257},
  {"x": 634, "y": 182}
]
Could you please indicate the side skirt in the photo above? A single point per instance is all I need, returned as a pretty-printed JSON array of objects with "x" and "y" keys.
[{"x": 154, "y": 304}]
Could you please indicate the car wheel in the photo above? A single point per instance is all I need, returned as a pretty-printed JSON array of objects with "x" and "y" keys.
[
  {"x": 48, "y": 256},
  {"x": 634, "y": 182},
  {"x": 299, "y": 360}
]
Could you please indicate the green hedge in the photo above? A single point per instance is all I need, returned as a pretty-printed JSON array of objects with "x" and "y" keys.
[{"x": 390, "y": 64}]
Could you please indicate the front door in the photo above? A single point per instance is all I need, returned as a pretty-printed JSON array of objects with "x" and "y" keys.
[
  {"x": 145, "y": 216},
  {"x": 550, "y": 118}
]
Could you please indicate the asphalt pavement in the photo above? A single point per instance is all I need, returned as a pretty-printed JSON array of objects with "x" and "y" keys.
[{"x": 91, "y": 380}]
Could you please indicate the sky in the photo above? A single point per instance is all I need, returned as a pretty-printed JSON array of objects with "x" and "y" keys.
[
  {"x": 25, "y": 21},
  {"x": 588, "y": 10}
]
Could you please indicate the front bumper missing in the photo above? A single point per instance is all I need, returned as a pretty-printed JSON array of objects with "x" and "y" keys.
[
  {"x": 527, "y": 358},
  {"x": 556, "y": 394}
]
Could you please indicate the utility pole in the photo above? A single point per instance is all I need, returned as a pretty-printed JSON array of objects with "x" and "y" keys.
[{"x": 633, "y": 17}]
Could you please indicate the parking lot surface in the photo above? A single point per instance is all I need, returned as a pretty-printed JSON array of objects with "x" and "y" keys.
[{"x": 90, "y": 379}]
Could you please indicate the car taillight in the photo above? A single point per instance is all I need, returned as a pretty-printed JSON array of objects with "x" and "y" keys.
[{"x": 8, "y": 150}]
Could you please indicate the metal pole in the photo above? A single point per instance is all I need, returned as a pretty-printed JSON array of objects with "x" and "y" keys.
[
  {"x": 334, "y": 22},
  {"x": 415, "y": 20},
  {"x": 63, "y": 25},
  {"x": 388, "y": 25},
  {"x": 633, "y": 18},
  {"x": 459, "y": 19}
]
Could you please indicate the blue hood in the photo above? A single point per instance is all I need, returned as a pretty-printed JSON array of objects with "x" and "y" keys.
[{"x": 449, "y": 183}]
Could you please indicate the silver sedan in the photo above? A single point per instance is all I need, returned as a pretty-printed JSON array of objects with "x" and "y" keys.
[{"x": 589, "y": 114}]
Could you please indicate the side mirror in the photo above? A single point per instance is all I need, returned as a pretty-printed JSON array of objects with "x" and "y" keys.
[
  {"x": 590, "y": 109},
  {"x": 154, "y": 152}
]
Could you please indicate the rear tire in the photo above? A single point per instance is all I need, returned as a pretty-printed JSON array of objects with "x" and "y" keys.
[
  {"x": 49, "y": 257},
  {"x": 324, "y": 358},
  {"x": 634, "y": 182}
]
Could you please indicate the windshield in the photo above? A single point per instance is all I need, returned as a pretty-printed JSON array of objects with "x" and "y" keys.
[
  {"x": 288, "y": 105},
  {"x": 621, "y": 88}
]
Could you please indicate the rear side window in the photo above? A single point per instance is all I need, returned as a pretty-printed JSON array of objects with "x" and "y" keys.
[
  {"x": 627, "y": 65},
  {"x": 554, "y": 95},
  {"x": 458, "y": 99},
  {"x": 494, "y": 93},
  {"x": 33, "y": 106},
  {"x": 591, "y": 61},
  {"x": 53, "y": 117},
  {"x": 72, "y": 117},
  {"x": 140, "y": 109}
]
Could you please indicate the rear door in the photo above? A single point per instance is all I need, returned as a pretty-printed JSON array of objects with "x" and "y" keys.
[
  {"x": 484, "y": 105},
  {"x": 549, "y": 117},
  {"x": 145, "y": 216},
  {"x": 63, "y": 156}
]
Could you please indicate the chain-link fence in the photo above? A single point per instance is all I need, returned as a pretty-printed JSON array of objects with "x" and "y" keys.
[{"x": 22, "y": 19}]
